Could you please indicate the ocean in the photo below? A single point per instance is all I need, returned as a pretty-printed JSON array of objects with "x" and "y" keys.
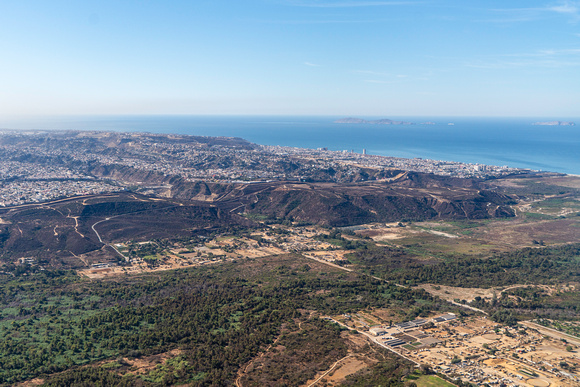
[{"x": 514, "y": 142}]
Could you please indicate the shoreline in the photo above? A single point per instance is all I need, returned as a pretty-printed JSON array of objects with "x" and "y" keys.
[{"x": 488, "y": 141}]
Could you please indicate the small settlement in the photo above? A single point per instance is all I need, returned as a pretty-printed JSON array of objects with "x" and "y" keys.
[{"x": 475, "y": 349}]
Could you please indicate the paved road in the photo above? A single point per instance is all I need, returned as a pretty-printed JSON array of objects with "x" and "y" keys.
[{"x": 107, "y": 244}]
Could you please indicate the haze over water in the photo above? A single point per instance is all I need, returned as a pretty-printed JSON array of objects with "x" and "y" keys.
[{"x": 514, "y": 142}]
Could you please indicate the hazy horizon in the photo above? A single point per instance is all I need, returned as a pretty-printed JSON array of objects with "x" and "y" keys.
[{"x": 88, "y": 117}]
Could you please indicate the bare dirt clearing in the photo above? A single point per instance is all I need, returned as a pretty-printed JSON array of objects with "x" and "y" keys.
[
  {"x": 360, "y": 356},
  {"x": 386, "y": 233},
  {"x": 145, "y": 364},
  {"x": 452, "y": 293}
]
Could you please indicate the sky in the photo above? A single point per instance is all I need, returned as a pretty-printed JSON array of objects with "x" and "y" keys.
[{"x": 290, "y": 57}]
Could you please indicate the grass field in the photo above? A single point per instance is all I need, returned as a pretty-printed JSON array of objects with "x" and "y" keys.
[
  {"x": 485, "y": 237},
  {"x": 432, "y": 381}
]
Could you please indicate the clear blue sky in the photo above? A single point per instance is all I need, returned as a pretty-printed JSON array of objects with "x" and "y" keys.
[{"x": 303, "y": 57}]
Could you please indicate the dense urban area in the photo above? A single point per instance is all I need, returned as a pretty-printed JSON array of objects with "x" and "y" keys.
[{"x": 39, "y": 166}]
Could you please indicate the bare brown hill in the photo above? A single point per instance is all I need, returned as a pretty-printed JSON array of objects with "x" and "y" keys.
[
  {"x": 416, "y": 197},
  {"x": 58, "y": 233},
  {"x": 72, "y": 227}
]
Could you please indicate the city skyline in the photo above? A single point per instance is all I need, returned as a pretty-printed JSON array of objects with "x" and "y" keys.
[{"x": 284, "y": 57}]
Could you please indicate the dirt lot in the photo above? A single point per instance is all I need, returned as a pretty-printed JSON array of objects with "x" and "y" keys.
[
  {"x": 451, "y": 293},
  {"x": 332, "y": 255},
  {"x": 379, "y": 234},
  {"x": 482, "y": 351},
  {"x": 141, "y": 267},
  {"x": 358, "y": 358},
  {"x": 347, "y": 367}
]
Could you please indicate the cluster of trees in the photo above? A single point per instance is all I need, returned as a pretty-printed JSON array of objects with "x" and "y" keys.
[
  {"x": 218, "y": 320},
  {"x": 505, "y": 317},
  {"x": 548, "y": 265},
  {"x": 389, "y": 372},
  {"x": 146, "y": 249},
  {"x": 534, "y": 303},
  {"x": 298, "y": 354}
]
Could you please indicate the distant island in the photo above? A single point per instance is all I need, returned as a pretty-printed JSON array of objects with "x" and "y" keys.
[
  {"x": 385, "y": 121},
  {"x": 555, "y": 123}
]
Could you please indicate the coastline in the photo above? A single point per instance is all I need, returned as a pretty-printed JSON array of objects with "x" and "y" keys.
[{"x": 512, "y": 142}]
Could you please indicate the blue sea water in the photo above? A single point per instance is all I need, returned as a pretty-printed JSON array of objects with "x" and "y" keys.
[{"x": 514, "y": 142}]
